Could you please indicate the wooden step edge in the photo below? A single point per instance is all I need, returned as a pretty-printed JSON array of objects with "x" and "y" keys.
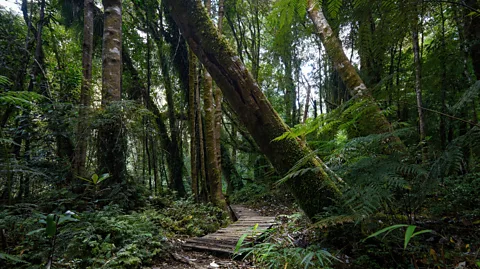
[
  {"x": 210, "y": 248},
  {"x": 228, "y": 242}
]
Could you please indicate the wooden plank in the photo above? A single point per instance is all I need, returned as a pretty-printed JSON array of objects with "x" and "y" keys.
[
  {"x": 209, "y": 248},
  {"x": 225, "y": 239}
]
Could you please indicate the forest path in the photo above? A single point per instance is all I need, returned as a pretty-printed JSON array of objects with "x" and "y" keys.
[{"x": 225, "y": 239}]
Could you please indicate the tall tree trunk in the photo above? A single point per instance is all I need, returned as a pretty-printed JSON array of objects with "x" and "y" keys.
[
  {"x": 472, "y": 34},
  {"x": 307, "y": 100},
  {"x": 289, "y": 85},
  {"x": 313, "y": 190},
  {"x": 443, "y": 129},
  {"x": 38, "y": 78},
  {"x": 218, "y": 98},
  {"x": 175, "y": 151},
  {"x": 111, "y": 135},
  {"x": 192, "y": 117},
  {"x": 418, "y": 78},
  {"x": 376, "y": 122},
  {"x": 82, "y": 134},
  {"x": 203, "y": 189},
  {"x": 214, "y": 173},
  {"x": 211, "y": 139},
  {"x": 472, "y": 29}
]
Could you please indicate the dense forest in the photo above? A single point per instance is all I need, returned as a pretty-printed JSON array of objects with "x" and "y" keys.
[{"x": 128, "y": 126}]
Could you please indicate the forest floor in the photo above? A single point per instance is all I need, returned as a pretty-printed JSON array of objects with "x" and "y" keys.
[{"x": 195, "y": 259}]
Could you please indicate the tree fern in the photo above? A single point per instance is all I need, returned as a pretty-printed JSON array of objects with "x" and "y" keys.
[
  {"x": 4, "y": 82},
  {"x": 470, "y": 94},
  {"x": 20, "y": 98}
]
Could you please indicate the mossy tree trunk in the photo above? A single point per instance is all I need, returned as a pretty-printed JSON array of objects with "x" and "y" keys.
[
  {"x": 80, "y": 154},
  {"x": 313, "y": 190},
  {"x": 203, "y": 189},
  {"x": 375, "y": 122},
  {"x": 212, "y": 138},
  {"x": 213, "y": 167},
  {"x": 192, "y": 115},
  {"x": 218, "y": 97},
  {"x": 111, "y": 135}
]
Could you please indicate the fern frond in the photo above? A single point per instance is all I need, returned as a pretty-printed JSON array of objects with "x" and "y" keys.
[
  {"x": 4, "y": 81},
  {"x": 20, "y": 98},
  {"x": 333, "y": 7},
  {"x": 470, "y": 94}
]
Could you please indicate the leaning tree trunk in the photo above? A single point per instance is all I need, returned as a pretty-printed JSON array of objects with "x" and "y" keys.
[
  {"x": 313, "y": 190},
  {"x": 80, "y": 154},
  {"x": 374, "y": 122},
  {"x": 111, "y": 135}
]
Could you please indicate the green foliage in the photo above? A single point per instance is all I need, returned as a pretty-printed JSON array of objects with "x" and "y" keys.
[
  {"x": 250, "y": 192},
  {"x": 19, "y": 98},
  {"x": 112, "y": 239},
  {"x": 409, "y": 232},
  {"x": 457, "y": 195},
  {"x": 95, "y": 179},
  {"x": 184, "y": 217},
  {"x": 4, "y": 81},
  {"x": 470, "y": 94},
  {"x": 11, "y": 258},
  {"x": 281, "y": 248},
  {"x": 107, "y": 238},
  {"x": 273, "y": 255}
]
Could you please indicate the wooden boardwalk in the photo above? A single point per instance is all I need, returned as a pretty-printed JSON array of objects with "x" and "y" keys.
[{"x": 224, "y": 240}]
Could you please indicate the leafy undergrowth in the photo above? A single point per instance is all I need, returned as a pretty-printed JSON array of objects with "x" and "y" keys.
[
  {"x": 339, "y": 239},
  {"x": 107, "y": 238},
  {"x": 297, "y": 243}
]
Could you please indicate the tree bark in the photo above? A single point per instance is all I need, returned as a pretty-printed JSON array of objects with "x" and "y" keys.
[
  {"x": 307, "y": 101},
  {"x": 37, "y": 73},
  {"x": 313, "y": 190},
  {"x": 218, "y": 96},
  {"x": 211, "y": 138},
  {"x": 472, "y": 29},
  {"x": 111, "y": 135},
  {"x": 375, "y": 122},
  {"x": 192, "y": 117},
  {"x": 418, "y": 87},
  {"x": 203, "y": 189},
  {"x": 214, "y": 172},
  {"x": 80, "y": 154}
]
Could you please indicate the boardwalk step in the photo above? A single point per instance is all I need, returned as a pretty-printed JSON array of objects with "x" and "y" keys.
[{"x": 225, "y": 239}]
